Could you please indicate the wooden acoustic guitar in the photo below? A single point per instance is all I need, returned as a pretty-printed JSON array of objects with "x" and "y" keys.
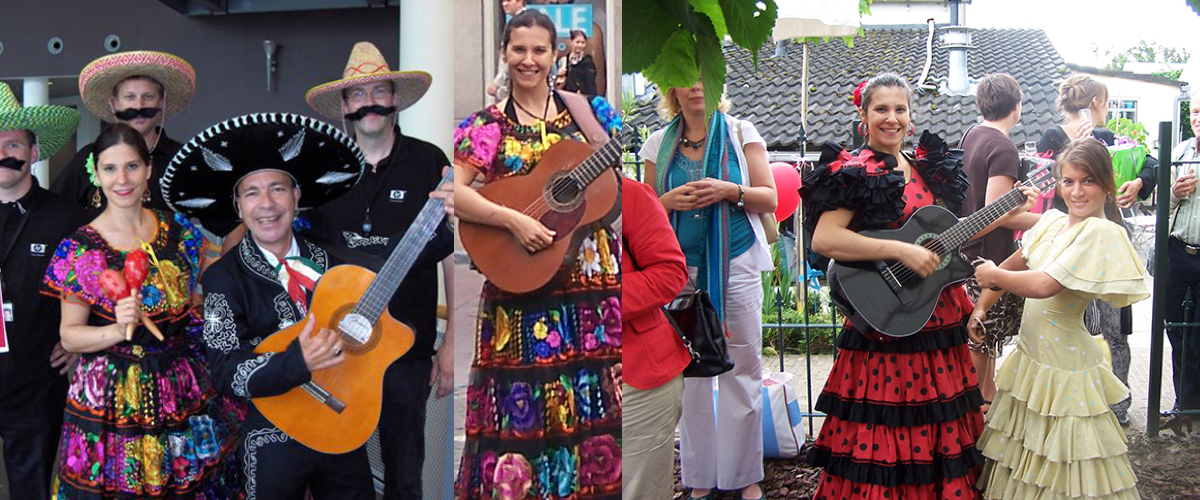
[
  {"x": 337, "y": 410},
  {"x": 570, "y": 188},
  {"x": 893, "y": 299}
]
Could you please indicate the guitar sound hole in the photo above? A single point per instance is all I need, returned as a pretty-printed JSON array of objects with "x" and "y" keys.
[{"x": 565, "y": 190}]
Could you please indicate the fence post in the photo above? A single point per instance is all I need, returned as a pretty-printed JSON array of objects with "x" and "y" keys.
[{"x": 1161, "y": 227}]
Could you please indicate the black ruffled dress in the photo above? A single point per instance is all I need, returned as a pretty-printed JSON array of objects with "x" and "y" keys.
[{"x": 903, "y": 413}]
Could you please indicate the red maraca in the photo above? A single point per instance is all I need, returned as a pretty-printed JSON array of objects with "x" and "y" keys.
[{"x": 137, "y": 266}]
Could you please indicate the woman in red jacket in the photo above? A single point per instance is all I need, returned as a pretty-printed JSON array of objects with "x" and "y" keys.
[{"x": 653, "y": 273}]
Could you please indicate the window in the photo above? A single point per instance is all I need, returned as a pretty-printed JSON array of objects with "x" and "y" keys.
[{"x": 1122, "y": 108}]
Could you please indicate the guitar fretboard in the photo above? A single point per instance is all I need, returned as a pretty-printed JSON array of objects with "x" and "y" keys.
[
  {"x": 594, "y": 165},
  {"x": 374, "y": 302},
  {"x": 959, "y": 233}
]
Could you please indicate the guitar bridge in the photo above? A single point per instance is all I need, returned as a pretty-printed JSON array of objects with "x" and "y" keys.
[
  {"x": 894, "y": 283},
  {"x": 322, "y": 395}
]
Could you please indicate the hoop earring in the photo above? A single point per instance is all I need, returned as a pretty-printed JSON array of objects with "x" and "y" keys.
[
  {"x": 96, "y": 200},
  {"x": 912, "y": 129},
  {"x": 863, "y": 130}
]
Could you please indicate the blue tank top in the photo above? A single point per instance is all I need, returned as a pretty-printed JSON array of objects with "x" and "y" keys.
[{"x": 691, "y": 230}]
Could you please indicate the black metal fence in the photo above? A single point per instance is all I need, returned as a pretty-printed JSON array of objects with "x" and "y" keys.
[{"x": 1162, "y": 268}]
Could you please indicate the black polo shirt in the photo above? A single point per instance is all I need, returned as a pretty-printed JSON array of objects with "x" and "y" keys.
[
  {"x": 72, "y": 182},
  {"x": 26, "y": 378},
  {"x": 392, "y": 195}
]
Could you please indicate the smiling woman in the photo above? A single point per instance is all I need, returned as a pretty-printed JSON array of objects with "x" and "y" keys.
[
  {"x": 543, "y": 416},
  {"x": 149, "y": 400}
]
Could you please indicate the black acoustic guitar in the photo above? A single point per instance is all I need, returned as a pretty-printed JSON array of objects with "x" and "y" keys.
[{"x": 895, "y": 300}]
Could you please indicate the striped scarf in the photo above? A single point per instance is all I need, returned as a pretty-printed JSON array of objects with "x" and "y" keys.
[{"x": 714, "y": 274}]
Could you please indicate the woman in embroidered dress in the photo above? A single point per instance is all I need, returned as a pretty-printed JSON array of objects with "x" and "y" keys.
[
  {"x": 142, "y": 419},
  {"x": 711, "y": 175},
  {"x": 903, "y": 412},
  {"x": 1051, "y": 433},
  {"x": 544, "y": 407}
]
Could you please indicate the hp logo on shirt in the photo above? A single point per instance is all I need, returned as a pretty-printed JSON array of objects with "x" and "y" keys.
[
  {"x": 397, "y": 195},
  {"x": 37, "y": 249}
]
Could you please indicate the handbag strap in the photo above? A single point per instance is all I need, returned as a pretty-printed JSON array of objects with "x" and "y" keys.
[{"x": 678, "y": 331}]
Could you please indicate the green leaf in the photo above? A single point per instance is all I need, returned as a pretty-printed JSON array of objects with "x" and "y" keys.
[
  {"x": 712, "y": 9},
  {"x": 712, "y": 66},
  {"x": 646, "y": 30},
  {"x": 675, "y": 65},
  {"x": 748, "y": 24}
]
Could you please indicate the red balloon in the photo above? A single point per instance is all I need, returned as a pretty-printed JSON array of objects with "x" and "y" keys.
[{"x": 787, "y": 187}]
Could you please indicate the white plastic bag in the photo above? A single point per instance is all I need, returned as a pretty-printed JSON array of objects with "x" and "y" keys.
[{"x": 782, "y": 420}]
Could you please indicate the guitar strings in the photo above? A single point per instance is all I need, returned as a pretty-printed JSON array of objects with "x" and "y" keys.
[
  {"x": 540, "y": 205},
  {"x": 1037, "y": 177}
]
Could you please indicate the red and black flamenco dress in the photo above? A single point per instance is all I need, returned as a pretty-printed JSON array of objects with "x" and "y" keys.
[{"x": 903, "y": 414}]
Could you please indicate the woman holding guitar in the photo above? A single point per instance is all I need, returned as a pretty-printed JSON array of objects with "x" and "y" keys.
[
  {"x": 711, "y": 175},
  {"x": 543, "y": 414},
  {"x": 1051, "y": 417},
  {"x": 903, "y": 412},
  {"x": 143, "y": 418}
]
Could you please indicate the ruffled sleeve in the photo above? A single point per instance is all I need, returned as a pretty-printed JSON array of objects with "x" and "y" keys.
[
  {"x": 75, "y": 270},
  {"x": 609, "y": 118},
  {"x": 477, "y": 141},
  {"x": 863, "y": 181},
  {"x": 942, "y": 169},
  {"x": 1096, "y": 257}
]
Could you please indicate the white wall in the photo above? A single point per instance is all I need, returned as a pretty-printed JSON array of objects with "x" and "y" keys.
[
  {"x": 1155, "y": 101},
  {"x": 916, "y": 13}
]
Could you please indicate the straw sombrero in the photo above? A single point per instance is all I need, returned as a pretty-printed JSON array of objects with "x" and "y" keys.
[
  {"x": 97, "y": 79},
  {"x": 366, "y": 65},
  {"x": 200, "y": 179},
  {"x": 52, "y": 125}
]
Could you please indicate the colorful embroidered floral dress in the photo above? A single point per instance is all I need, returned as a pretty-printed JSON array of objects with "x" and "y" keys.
[
  {"x": 142, "y": 418},
  {"x": 544, "y": 405}
]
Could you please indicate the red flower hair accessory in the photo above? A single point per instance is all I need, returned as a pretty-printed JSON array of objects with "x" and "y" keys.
[{"x": 858, "y": 94}]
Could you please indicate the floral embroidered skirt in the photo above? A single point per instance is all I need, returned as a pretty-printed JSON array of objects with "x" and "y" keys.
[
  {"x": 146, "y": 422},
  {"x": 543, "y": 417}
]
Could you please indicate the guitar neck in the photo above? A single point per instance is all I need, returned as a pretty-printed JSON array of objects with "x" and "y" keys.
[
  {"x": 959, "y": 233},
  {"x": 597, "y": 163},
  {"x": 374, "y": 302}
]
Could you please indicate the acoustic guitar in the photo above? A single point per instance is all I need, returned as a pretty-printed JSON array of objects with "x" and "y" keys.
[
  {"x": 570, "y": 188},
  {"x": 893, "y": 299},
  {"x": 337, "y": 410}
]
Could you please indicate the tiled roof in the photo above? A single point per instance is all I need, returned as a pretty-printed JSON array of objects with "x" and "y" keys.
[{"x": 770, "y": 97}]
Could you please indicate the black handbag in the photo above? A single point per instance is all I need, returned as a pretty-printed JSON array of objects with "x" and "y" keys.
[{"x": 695, "y": 320}]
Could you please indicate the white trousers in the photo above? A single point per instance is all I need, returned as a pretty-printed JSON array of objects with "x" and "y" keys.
[{"x": 721, "y": 442}]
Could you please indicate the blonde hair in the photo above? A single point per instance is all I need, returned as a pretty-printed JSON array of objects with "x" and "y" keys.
[
  {"x": 1078, "y": 92},
  {"x": 669, "y": 108}
]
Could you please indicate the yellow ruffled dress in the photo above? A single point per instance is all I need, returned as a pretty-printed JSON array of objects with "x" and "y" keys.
[{"x": 1050, "y": 434}]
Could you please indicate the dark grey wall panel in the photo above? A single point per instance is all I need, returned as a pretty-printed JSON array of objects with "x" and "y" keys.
[{"x": 227, "y": 50}]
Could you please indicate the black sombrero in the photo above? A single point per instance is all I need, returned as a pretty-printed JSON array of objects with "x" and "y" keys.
[{"x": 199, "y": 181}]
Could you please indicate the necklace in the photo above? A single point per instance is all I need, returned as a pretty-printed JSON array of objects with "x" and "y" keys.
[
  {"x": 545, "y": 109},
  {"x": 695, "y": 145}
]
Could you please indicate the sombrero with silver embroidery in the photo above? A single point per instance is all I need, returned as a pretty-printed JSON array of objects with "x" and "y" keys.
[
  {"x": 367, "y": 65},
  {"x": 99, "y": 77},
  {"x": 200, "y": 179},
  {"x": 52, "y": 125}
]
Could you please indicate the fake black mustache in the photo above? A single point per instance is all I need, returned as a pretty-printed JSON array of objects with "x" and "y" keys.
[
  {"x": 12, "y": 163},
  {"x": 374, "y": 108},
  {"x": 131, "y": 113}
]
